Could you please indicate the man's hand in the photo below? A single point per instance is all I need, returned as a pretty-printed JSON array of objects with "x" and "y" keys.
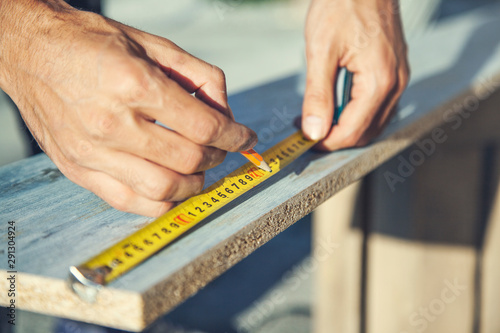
[
  {"x": 366, "y": 37},
  {"x": 90, "y": 89}
]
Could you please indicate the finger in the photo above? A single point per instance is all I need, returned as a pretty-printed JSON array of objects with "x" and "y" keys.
[
  {"x": 172, "y": 150},
  {"x": 388, "y": 108},
  {"x": 193, "y": 74},
  {"x": 137, "y": 133},
  {"x": 119, "y": 195},
  {"x": 403, "y": 78},
  {"x": 115, "y": 193},
  {"x": 208, "y": 82},
  {"x": 380, "y": 119},
  {"x": 147, "y": 179},
  {"x": 196, "y": 120},
  {"x": 318, "y": 106},
  {"x": 146, "y": 139},
  {"x": 368, "y": 94},
  {"x": 188, "y": 74}
]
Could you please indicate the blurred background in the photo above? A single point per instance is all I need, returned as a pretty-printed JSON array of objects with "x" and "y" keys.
[{"x": 253, "y": 42}]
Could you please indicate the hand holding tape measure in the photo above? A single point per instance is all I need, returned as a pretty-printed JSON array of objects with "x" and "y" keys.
[{"x": 86, "y": 279}]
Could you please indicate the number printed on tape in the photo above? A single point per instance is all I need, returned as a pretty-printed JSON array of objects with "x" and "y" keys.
[{"x": 139, "y": 246}]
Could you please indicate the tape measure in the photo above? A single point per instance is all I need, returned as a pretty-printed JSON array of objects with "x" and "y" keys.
[{"x": 87, "y": 278}]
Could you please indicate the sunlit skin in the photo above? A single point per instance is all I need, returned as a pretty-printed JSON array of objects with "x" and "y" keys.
[
  {"x": 366, "y": 37},
  {"x": 90, "y": 90}
]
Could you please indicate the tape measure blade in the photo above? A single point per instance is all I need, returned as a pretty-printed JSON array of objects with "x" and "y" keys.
[
  {"x": 134, "y": 249},
  {"x": 137, "y": 247}
]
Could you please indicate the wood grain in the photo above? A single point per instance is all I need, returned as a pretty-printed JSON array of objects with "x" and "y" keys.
[
  {"x": 490, "y": 275},
  {"x": 60, "y": 224},
  {"x": 417, "y": 250},
  {"x": 338, "y": 280}
]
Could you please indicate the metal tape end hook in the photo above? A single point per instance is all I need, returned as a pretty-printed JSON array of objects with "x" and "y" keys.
[{"x": 86, "y": 283}]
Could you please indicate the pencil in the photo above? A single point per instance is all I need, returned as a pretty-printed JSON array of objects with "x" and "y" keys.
[{"x": 256, "y": 159}]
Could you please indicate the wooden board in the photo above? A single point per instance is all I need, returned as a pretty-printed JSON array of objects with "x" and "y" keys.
[
  {"x": 59, "y": 224},
  {"x": 490, "y": 268},
  {"x": 419, "y": 252},
  {"x": 338, "y": 280}
]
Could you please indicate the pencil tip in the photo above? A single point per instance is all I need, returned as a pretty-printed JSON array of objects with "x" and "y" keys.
[{"x": 264, "y": 166}]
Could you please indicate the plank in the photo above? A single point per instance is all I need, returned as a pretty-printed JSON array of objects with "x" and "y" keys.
[
  {"x": 418, "y": 251},
  {"x": 338, "y": 251},
  {"x": 490, "y": 274},
  {"x": 60, "y": 224},
  {"x": 419, "y": 235},
  {"x": 428, "y": 234}
]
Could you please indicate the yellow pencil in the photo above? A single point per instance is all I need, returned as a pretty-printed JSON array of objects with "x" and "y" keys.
[{"x": 256, "y": 159}]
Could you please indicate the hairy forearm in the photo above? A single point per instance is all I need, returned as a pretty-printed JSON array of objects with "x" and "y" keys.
[
  {"x": 13, "y": 33},
  {"x": 23, "y": 23}
]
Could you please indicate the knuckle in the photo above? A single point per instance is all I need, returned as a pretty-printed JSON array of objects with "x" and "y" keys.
[
  {"x": 135, "y": 82},
  {"x": 79, "y": 152},
  {"x": 129, "y": 71},
  {"x": 351, "y": 139},
  {"x": 160, "y": 189},
  {"x": 218, "y": 157},
  {"x": 137, "y": 88},
  {"x": 219, "y": 76},
  {"x": 316, "y": 98},
  {"x": 179, "y": 57},
  {"x": 118, "y": 60},
  {"x": 213, "y": 156},
  {"x": 137, "y": 92},
  {"x": 104, "y": 125},
  {"x": 192, "y": 161},
  {"x": 199, "y": 184},
  {"x": 207, "y": 131},
  {"x": 121, "y": 200},
  {"x": 387, "y": 82}
]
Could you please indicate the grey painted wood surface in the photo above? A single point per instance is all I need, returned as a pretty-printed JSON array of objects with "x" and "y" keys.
[{"x": 59, "y": 224}]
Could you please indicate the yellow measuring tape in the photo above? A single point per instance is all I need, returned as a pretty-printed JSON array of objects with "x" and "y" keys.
[{"x": 86, "y": 278}]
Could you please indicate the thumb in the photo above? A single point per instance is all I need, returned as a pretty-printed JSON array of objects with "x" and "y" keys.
[{"x": 318, "y": 106}]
